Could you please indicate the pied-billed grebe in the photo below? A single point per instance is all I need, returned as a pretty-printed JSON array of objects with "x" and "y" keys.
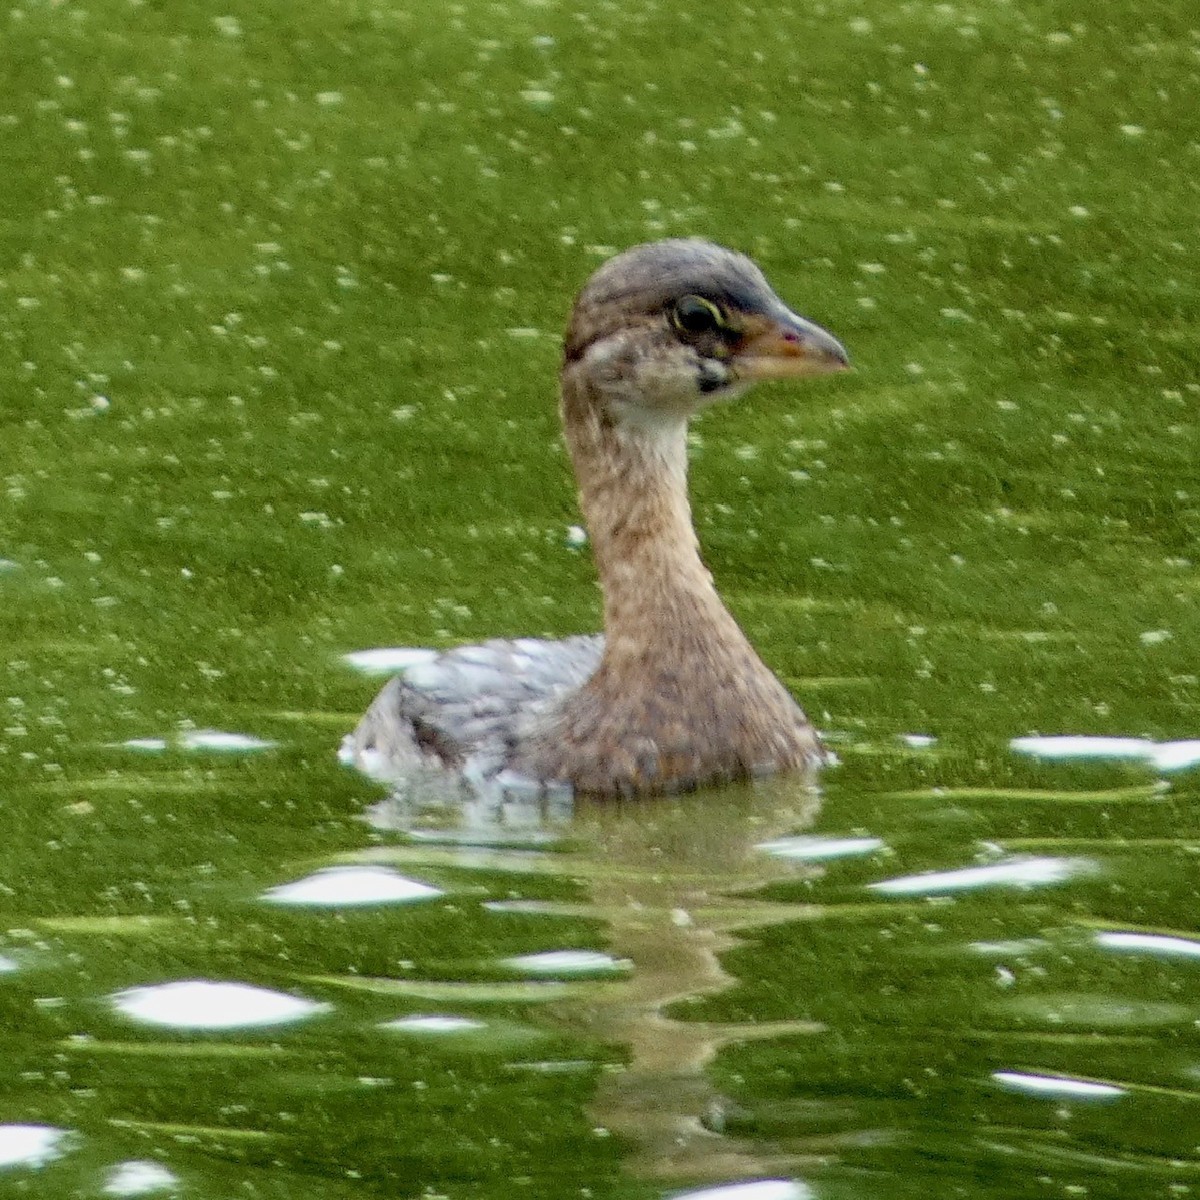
[{"x": 672, "y": 696}]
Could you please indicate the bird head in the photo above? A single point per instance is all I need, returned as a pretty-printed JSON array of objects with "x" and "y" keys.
[{"x": 664, "y": 329}]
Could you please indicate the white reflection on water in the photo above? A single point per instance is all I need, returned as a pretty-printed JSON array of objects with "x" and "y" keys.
[
  {"x": 201, "y": 739},
  {"x": 433, "y": 1024},
  {"x": 1016, "y": 946},
  {"x": 30, "y": 1145},
  {"x": 336, "y": 887},
  {"x": 758, "y": 1189},
  {"x": 821, "y": 849},
  {"x": 1177, "y": 756},
  {"x": 1016, "y": 872},
  {"x": 1150, "y": 943},
  {"x": 202, "y": 1004},
  {"x": 1165, "y": 756},
  {"x": 7, "y": 964},
  {"x": 216, "y": 739},
  {"x": 139, "y": 1178},
  {"x": 388, "y": 660},
  {"x": 567, "y": 962},
  {"x": 1057, "y": 1086}
]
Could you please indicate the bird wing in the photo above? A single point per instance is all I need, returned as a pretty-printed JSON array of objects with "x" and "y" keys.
[{"x": 463, "y": 709}]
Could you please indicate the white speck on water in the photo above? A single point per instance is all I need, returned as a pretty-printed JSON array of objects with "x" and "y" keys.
[
  {"x": 1155, "y": 637},
  {"x": 388, "y": 660},
  {"x": 523, "y": 332},
  {"x": 1165, "y": 756},
  {"x": 1017, "y": 872},
  {"x": 229, "y": 27},
  {"x": 1133, "y": 131},
  {"x": 203, "y": 1004},
  {"x": 1078, "y": 210},
  {"x": 1160, "y": 944},
  {"x": 576, "y": 536},
  {"x": 336, "y": 887},
  {"x": 1056, "y": 1086},
  {"x": 754, "y": 1189},
  {"x": 329, "y": 99},
  {"x": 537, "y": 97},
  {"x": 1176, "y": 756},
  {"x": 433, "y": 1024},
  {"x": 872, "y": 268},
  {"x": 821, "y": 849},
  {"x": 30, "y": 1145},
  {"x": 730, "y": 128},
  {"x": 567, "y": 962},
  {"x": 918, "y": 741},
  {"x": 225, "y": 743},
  {"x": 139, "y": 1178},
  {"x": 405, "y": 412}
]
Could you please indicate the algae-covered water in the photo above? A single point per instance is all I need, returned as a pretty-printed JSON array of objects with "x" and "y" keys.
[{"x": 280, "y": 293}]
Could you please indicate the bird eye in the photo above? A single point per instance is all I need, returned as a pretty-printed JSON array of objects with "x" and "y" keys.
[{"x": 694, "y": 314}]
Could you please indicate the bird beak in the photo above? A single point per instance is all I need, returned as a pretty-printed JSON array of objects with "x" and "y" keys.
[{"x": 781, "y": 345}]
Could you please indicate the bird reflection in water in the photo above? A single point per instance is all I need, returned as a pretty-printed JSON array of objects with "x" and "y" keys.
[{"x": 673, "y": 880}]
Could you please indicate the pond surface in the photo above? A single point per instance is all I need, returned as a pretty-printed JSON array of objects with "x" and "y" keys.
[{"x": 279, "y": 302}]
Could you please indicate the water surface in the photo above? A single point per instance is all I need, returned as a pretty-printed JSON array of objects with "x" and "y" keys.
[{"x": 279, "y": 302}]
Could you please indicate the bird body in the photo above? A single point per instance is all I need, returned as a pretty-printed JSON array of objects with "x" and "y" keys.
[{"x": 673, "y": 696}]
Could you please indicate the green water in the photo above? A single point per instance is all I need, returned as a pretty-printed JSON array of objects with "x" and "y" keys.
[{"x": 280, "y": 292}]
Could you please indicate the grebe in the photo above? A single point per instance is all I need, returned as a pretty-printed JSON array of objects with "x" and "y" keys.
[{"x": 673, "y": 696}]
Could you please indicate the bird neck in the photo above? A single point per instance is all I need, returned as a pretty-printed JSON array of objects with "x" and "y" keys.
[{"x": 632, "y": 476}]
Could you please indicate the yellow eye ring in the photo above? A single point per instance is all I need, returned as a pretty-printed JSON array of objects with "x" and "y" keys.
[{"x": 694, "y": 315}]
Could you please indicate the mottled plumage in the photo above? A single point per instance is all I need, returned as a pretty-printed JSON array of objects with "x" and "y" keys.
[{"x": 674, "y": 696}]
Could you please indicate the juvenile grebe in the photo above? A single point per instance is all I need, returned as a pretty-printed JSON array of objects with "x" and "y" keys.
[{"x": 672, "y": 696}]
